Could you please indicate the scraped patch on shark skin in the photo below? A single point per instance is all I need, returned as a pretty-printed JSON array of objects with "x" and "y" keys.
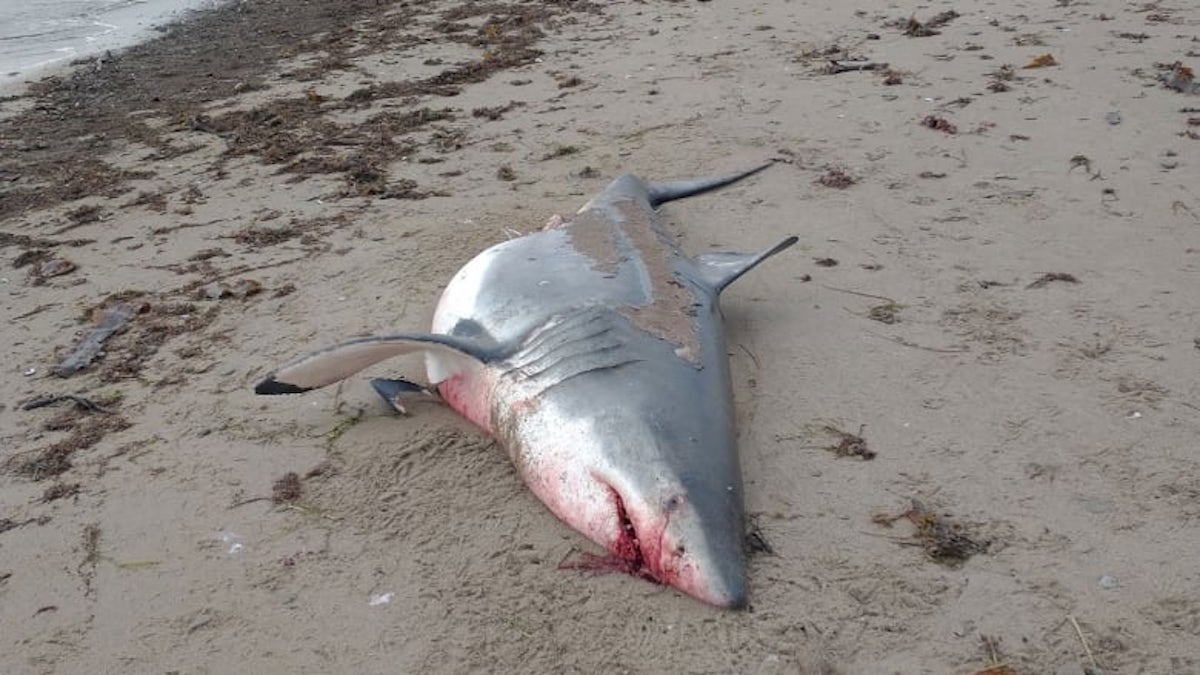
[
  {"x": 671, "y": 312},
  {"x": 591, "y": 235}
]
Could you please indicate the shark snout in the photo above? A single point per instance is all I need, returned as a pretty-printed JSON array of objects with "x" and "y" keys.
[
  {"x": 711, "y": 575},
  {"x": 694, "y": 554}
]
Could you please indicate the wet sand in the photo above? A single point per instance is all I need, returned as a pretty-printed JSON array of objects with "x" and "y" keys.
[
  {"x": 40, "y": 35},
  {"x": 967, "y": 400}
]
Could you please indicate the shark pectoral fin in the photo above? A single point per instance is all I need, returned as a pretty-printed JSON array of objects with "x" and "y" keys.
[
  {"x": 332, "y": 364},
  {"x": 393, "y": 391},
  {"x": 719, "y": 270}
]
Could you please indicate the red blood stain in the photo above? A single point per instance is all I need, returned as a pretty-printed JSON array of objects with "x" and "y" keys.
[
  {"x": 470, "y": 397},
  {"x": 627, "y": 555}
]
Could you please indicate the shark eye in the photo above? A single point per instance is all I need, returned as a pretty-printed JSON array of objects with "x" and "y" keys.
[{"x": 674, "y": 502}]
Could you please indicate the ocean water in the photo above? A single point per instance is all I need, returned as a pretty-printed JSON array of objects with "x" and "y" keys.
[{"x": 37, "y": 34}]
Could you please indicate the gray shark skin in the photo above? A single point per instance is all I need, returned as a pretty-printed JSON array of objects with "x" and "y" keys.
[{"x": 594, "y": 352}]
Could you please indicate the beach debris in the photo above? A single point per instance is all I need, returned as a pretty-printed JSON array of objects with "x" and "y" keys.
[
  {"x": 91, "y": 555},
  {"x": 240, "y": 289},
  {"x": 287, "y": 488},
  {"x": 506, "y": 173},
  {"x": 561, "y": 151},
  {"x": 1180, "y": 78},
  {"x": 837, "y": 178},
  {"x": 885, "y": 313},
  {"x": 835, "y": 67},
  {"x": 83, "y": 215},
  {"x": 844, "y": 443},
  {"x": 995, "y": 666},
  {"x": 1087, "y": 650},
  {"x": 192, "y": 194},
  {"x": 568, "y": 82},
  {"x": 756, "y": 541},
  {"x": 1113, "y": 117},
  {"x": 825, "y": 262},
  {"x": 7, "y": 524},
  {"x": 51, "y": 267},
  {"x": 496, "y": 112},
  {"x": 29, "y": 257},
  {"x": 208, "y": 254},
  {"x": 233, "y": 542},
  {"x": 942, "y": 18},
  {"x": 914, "y": 28},
  {"x": 111, "y": 321},
  {"x": 1041, "y": 61},
  {"x": 43, "y": 265},
  {"x": 1049, "y": 277},
  {"x": 1001, "y": 77},
  {"x": 60, "y": 491},
  {"x": 378, "y": 599},
  {"x": 944, "y": 541},
  {"x": 87, "y": 427},
  {"x": 1108, "y": 582},
  {"x": 50, "y": 399},
  {"x": 849, "y": 445},
  {"x": 939, "y": 123},
  {"x": 1083, "y": 161}
]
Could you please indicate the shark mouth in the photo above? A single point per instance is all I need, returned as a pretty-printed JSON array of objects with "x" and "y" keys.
[{"x": 626, "y": 556}]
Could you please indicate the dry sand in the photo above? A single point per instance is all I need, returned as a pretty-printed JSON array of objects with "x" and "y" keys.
[{"x": 1054, "y": 425}]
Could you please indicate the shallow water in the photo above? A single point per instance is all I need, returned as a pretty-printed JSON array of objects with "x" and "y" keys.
[{"x": 36, "y": 34}]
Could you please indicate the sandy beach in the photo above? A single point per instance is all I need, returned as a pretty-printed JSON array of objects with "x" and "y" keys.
[{"x": 967, "y": 401}]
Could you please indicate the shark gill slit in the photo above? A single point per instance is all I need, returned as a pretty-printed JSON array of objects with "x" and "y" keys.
[{"x": 628, "y": 548}]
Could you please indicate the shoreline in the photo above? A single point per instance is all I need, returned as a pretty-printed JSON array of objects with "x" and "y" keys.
[
  {"x": 127, "y": 26},
  {"x": 988, "y": 295}
]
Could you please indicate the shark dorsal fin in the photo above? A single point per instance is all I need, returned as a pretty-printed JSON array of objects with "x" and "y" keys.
[{"x": 718, "y": 270}]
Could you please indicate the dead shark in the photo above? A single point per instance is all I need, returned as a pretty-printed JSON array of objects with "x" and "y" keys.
[{"x": 593, "y": 350}]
